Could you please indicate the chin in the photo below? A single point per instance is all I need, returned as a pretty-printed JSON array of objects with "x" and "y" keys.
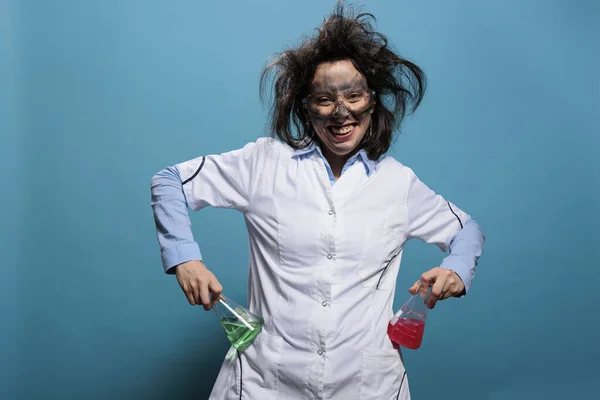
[
  {"x": 344, "y": 149},
  {"x": 344, "y": 143}
]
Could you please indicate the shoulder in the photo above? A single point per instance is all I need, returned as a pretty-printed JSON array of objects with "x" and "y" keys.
[
  {"x": 261, "y": 148},
  {"x": 389, "y": 166},
  {"x": 269, "y": 148},
  {"x": 274, "y": 149},
  {"x": 403, "y": 177}
]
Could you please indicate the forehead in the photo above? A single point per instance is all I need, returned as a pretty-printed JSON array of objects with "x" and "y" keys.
[{"x": 337, "y": 75}]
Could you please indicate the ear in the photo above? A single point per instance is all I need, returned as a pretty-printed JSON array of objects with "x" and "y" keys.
[{"x": 372, "y": 107}]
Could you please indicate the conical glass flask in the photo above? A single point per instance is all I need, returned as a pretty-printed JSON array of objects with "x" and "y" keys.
[
  {"x": 407, "y": 326},
  {"x": 241, "y": 326}
]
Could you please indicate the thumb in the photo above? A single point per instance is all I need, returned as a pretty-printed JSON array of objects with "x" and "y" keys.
[
  {"x": 413, "y": 288},
  {"x": 215, "y": 289}
]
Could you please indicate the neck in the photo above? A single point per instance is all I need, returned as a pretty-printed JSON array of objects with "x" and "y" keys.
[{"x": 337, "y": 162}]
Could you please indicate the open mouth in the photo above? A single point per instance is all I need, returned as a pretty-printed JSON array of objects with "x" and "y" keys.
[{"x": 342, "y": 130}]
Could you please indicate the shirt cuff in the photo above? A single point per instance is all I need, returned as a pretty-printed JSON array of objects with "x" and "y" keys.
[
  {"x": 179, "y": 253},
  {"x": 464, "y": 268}
]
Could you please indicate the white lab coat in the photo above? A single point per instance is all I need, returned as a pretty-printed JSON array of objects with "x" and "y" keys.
[{"x": 317, "y": 268}]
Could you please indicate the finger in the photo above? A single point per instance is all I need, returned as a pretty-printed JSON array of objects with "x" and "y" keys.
[
  {"x": 438, "y": 287},
  {"x": 204, "y": 295},
  {"x": 216, "y": 289},
  {"x": 447, "y": 290},
  {"x": 187, "y": 290},
  {"x": 195, "y": 292},
  {"x": 424, "y": 288},
  {"x": 436, "y": 291},
  {"x": 189, "y": 294},
  {"x": 413, "y": 288},
  {"x": 427, "y": 278}
]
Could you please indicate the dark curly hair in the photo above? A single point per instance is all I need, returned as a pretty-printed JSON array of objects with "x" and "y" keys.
[{"x": 399, "y": 84}]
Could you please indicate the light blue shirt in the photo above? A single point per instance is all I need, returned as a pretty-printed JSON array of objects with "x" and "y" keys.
[
  {"x": 361, "y": 155},
  {"x": 177, "y": 243}
]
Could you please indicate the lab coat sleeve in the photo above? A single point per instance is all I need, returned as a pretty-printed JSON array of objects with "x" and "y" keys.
[
  {"x": 433, "y": 219},
  {"x": 220, "y": 180}
]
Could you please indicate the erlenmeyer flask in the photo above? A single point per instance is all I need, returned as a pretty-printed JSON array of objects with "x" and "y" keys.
[
  {"x": 407, "y": 326},
  {"x": 241, "y": 326}
]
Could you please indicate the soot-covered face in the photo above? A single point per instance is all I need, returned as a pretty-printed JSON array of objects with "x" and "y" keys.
[{"x": 339, "y": 108}]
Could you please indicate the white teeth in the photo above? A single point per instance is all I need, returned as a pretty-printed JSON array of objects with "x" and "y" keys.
[{"x": 342, "y": 131}]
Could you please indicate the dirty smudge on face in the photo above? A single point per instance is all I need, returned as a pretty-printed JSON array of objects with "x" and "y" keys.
[
  {"x": 330, "y": 100},
  {"x": 328, "y": 87},
  {"x": 339, "y": 98}
]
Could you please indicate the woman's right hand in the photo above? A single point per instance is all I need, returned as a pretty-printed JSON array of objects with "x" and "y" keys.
[{"x": 200, "y": 286}]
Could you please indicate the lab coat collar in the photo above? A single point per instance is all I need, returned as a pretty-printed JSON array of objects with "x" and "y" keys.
[{"x": 361, "y": 155}]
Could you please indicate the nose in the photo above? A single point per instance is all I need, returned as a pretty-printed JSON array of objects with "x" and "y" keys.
[{"x": 340, "y": 111}]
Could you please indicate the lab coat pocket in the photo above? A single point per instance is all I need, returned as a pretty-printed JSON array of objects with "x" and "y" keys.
[
  {"x": 381, "y": 249},
  {"x": 258, "y": 375},
  {"x": 381, "y": 375}
]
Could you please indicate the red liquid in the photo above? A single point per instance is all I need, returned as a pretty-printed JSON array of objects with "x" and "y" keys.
[{"x": 407, "y": 332}]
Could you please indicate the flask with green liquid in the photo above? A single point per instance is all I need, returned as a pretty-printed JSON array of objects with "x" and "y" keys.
[{"x": 241, "y": 326}]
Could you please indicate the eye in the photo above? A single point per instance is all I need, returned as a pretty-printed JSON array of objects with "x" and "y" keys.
[
  {"x": 323, "y": 101},
  {"x": 355, "y": 96}
]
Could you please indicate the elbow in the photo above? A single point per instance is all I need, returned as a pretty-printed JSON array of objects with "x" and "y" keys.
[
  {"x": 165, "y": 175},
  {"x": 165, "y": 183},
  {"x": 476, "y": 226},
  {"x": 157, "y": 179}
]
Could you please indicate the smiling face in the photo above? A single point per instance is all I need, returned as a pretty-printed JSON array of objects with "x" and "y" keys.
[{"x": 339, "y": 108}]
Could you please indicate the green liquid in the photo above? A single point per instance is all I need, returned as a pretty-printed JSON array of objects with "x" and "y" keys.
[{"x": 239, "y": 334}]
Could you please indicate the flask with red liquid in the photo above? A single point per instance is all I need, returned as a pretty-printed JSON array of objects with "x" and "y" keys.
[{"x": 407, "y": 326}]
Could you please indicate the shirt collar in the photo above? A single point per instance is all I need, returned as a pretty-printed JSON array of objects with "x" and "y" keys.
[{"x": 361, "y": 155}]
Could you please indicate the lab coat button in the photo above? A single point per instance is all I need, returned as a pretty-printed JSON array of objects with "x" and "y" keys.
[
  {"x": 329, "y": 256},
  {"x": 324, "y": 303},
  {"x": 320, "y": 352},
  {"x": 330, "y": 212}
]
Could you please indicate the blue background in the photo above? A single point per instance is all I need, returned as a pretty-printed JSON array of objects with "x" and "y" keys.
[{"x": 97, "y": 96}]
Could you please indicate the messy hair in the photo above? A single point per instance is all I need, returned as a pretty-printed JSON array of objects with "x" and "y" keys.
[{"x": 399, "y": 84}]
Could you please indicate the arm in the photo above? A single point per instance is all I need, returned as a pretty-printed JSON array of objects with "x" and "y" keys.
[
  {"x": 222, "y": 181},
  {"x": 433, "y": 219},
  {"x": 179, "y": 252},
  {"x": 172, "y": 221},
  {"x": 465, "y": 249}
]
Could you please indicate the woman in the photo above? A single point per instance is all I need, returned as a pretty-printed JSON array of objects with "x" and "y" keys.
[{"x": 327, "y": 216}]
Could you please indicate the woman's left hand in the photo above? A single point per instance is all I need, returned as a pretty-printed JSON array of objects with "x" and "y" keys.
[{"x": 446, "y": 283}]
